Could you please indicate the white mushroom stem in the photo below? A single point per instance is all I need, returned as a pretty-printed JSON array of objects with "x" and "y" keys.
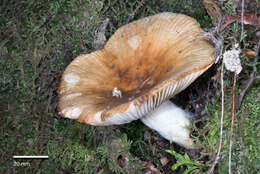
[{"x": 171, "y": 122}]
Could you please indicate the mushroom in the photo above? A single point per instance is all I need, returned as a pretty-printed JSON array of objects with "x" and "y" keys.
[{"x": 141, "y": 67}]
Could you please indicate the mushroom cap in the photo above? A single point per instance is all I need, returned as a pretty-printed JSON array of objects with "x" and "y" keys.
[{"x": 144, "y": 63}]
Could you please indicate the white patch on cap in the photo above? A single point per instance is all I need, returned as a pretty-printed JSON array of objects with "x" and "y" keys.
[
  {"x": 62, "y": 91},
  {"x": 167, "y": 16},
  {"x": 150, "y": 29},
  {"x": 116, "y": 93},
  {"x": 71, "y": 79},
  {"x": 72, "y": 113},
  {"x": 134, "y": 42},
  {"x": 73, "y": 95},
  {"x": 98, "y": 119}
]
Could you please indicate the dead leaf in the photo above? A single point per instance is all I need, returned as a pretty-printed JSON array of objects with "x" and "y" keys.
[
  {"x": 150, "y": 165},
  {"x": 250, "y": 53},
  {"x": 164, "y": 161},
  {"x": 213, "y": 10},
  {"x": 100, "y": 171},
  {"x": 252, "y": 19},
  {"x": 122, "y": 161},
  {"x": 249, "y": 18},
  {"x": 81, "y": 46},
  {"x": 150, "y": 169}
]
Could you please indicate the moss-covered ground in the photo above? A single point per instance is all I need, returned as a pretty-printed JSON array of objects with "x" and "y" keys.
[{"x": 38, "y": 39}]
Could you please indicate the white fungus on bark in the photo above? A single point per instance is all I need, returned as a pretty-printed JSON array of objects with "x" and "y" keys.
[{"x": 231, "y": 59}]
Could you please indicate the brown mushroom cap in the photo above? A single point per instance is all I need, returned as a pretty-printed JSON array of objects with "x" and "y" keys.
[{"x": 142, "y": 64}]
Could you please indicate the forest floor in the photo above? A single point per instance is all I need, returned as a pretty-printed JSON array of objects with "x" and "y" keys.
[{"x": 38, "y": 39}]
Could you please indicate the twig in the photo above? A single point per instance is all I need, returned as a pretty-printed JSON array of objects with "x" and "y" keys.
[
  {"x": 257, "y": 77},
  {"x": 242, "y": 94},
  {"x": 213, "y": 10},
  {"x": 251, "y": 80},
  {"x": 133, "y": 13},
  {"x": 248, "y": 18},
  {"x": 232, "y": 122},
  {"x": 211, "y": 170},
  {"x": 242, "y": 18}
]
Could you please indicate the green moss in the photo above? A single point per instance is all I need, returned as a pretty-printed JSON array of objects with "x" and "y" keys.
[
  {"x": 38, "y": 39},
  {"x": 246, "y": 144}
]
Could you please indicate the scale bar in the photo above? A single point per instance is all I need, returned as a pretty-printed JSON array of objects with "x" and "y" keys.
[{"x": 30, "y": 157}]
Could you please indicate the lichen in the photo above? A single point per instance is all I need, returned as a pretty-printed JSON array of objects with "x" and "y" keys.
[{"x": 231, "y": 59}]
